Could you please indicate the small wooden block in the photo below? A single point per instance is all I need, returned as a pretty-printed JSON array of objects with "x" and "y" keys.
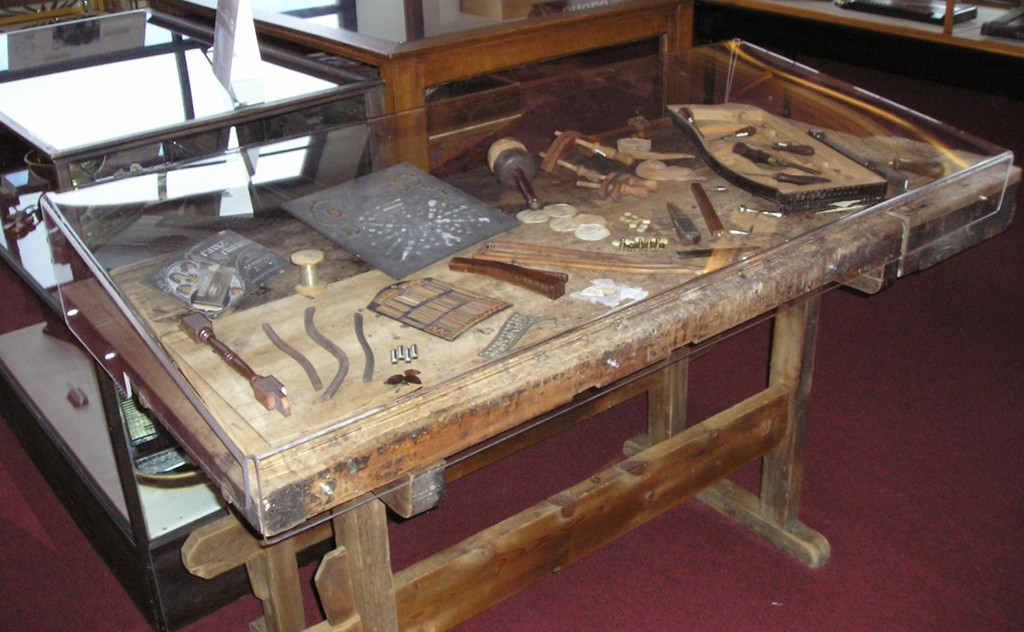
[
  {"x": 416, "y": 493},
  {"x": 334, "y": 586}
]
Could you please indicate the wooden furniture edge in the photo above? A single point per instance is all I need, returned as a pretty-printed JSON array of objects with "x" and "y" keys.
[{"x": 864, "y": 22}]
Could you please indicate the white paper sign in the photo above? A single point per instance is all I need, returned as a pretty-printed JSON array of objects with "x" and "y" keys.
[{"x": 237, "y": 63}]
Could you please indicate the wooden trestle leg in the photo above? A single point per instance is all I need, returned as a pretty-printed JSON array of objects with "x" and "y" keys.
[
  {"x": 666, "y": 406},
  {"x": 362, "y": 532},
  {"x": 274, "y": 577},
  {"x": 774, "y": 515}
]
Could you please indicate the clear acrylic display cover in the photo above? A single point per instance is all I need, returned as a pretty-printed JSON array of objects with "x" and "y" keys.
[{"x": 631, "y": 298}]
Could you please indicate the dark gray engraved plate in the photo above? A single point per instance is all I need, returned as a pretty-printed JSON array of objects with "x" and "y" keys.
[{"x": 401, "y": 219}]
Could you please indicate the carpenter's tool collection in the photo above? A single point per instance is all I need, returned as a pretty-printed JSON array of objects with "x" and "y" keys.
[{"x": 734, "y": 167}]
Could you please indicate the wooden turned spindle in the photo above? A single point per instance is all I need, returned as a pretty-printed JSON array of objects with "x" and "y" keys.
[
  {"x": 579, "y": 170},
  {"x": 267, "y": 390}
]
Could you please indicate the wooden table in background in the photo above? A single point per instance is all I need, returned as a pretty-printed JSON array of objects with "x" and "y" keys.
[
  {"x": 966, "y": 35},
  {"x": 411, "y": 67}
]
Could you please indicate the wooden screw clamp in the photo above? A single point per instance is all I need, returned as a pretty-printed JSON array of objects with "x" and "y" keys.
[
  {"x": 601, "y": 150},
  {"x": 641, "y": 126},
  {"x": 558, "y": 150},
  {"x": 554, "y": 157},
  {"x": 579, "y": 170},
  {"x": 615, "y": 186},
  {"x": 267, "y": 389}
]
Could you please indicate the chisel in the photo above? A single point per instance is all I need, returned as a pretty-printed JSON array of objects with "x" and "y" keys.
[
  {"x": 791, "y": 178},
  {"x": 685, "y": 228},
  {"x": 760, "y": 156},
  {"x": 896, "y": 181}
]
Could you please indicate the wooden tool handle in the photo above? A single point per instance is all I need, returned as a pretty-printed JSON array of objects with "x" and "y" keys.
[
  {"x": 707, "y": 209},
  {"x": 267, "y": 390},
  {"x": 549, "y": 284},
  {"x": 530, "y": 254}
]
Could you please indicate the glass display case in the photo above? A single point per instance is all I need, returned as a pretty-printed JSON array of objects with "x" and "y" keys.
[
  {"x": 421, "y": 45},
  {"x": 544, "y": 242},
  {"x": 16, "y": 12},
  {"x": 111, "y": 127},
  {"x": 411, "y": 22},
  {"x": 71, "y": 105},
  {"x": 374, "y": 316}
]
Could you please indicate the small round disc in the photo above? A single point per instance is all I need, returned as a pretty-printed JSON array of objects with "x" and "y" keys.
[
  {"x": 532, "y": 217},
  {"x": 562, "y": 225},
  {"x": 591, "y": 232},
  {"x": 560, "y": 210},
  {"x": 589, "y": 218},
  {"x": 633, "y": 145},
  {"x": 309, "y": 257}
]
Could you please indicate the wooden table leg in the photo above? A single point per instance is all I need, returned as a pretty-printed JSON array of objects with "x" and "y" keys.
[
  {"x": 774, "y": 514},
  {"x": 363, "y": 532},
  {"x": 666, "y": 416},
  {"x": 792, "y": 363},
  {"x": 666, "y": 406},
  {"x": 274, "y": 576}
]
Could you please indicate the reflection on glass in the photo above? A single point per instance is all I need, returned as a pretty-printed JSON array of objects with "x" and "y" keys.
[
  {"x": 121, "y": 109},
  {"x": 399, "y": 21},
  {"x": 102, "y": 102}
]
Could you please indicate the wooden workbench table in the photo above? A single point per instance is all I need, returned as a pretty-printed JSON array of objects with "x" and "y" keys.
[{"x": 339, "y": 463}]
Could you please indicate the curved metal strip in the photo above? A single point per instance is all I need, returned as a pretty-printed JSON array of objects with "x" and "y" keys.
[
  {"x": 307, "y": 366},
  {"x": 333, "y": 349}
]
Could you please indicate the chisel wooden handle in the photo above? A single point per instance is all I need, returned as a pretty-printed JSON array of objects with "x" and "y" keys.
[
  {"x": 707, "y": 209},
  {"x": 549, "y": 284}
]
